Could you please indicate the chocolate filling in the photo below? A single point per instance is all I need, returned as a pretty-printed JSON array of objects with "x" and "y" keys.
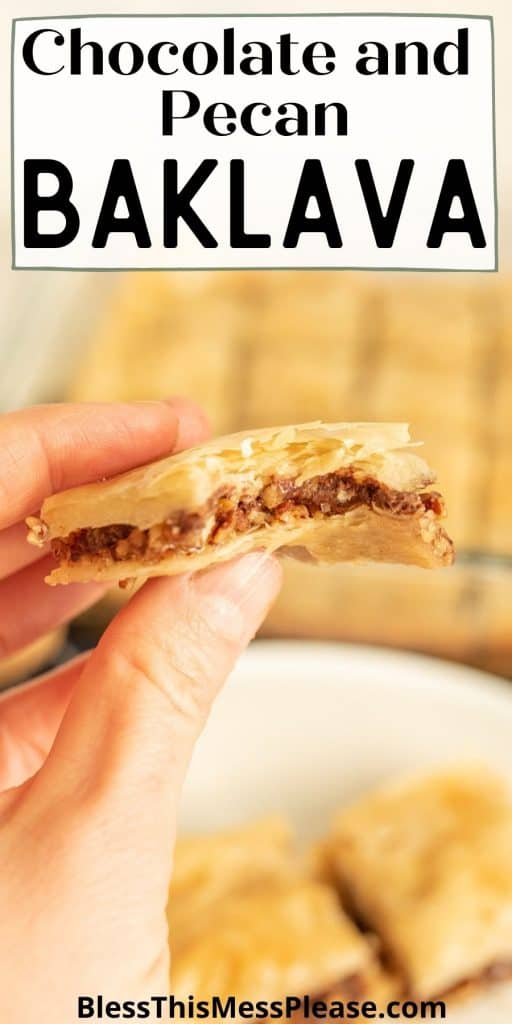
[{"x": 228, "y": 512}]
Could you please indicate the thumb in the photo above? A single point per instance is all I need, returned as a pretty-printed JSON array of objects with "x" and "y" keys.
[
  {"x": 146, "y": 691},
  {"x": 101, "y": 812}
]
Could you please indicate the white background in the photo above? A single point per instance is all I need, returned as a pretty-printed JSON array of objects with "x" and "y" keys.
[{"x": 87, "y": 122}]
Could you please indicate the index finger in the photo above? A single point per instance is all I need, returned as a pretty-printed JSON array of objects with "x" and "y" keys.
[{"x": 48, "y": 448}]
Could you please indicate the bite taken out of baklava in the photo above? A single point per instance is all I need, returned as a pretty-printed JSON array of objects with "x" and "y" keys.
[
  {"x": 322, "y": 492},
  {"x": 427, "y": 866}
]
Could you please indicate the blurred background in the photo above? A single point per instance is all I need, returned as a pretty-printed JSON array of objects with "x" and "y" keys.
[{"x": 266, "y": 348}]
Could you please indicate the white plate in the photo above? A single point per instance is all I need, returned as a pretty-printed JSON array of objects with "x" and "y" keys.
[{"x": 302, "y": 727}]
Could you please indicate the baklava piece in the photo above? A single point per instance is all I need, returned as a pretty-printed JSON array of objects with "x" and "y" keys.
[
  {"x": 323, "y": 492},
  {"x": 283, "y": 938},
  {"x": 427, "y": 866}
]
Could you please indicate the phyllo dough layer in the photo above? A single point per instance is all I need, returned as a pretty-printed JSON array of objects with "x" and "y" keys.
[
  {"x": 328, "y": 492},
  {"x": 285, "y": 938},
  {"x": 209, "y": 869},
  {"x": 427, "y": 865}
]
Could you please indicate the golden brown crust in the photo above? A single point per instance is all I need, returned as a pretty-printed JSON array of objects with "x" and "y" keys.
[
  {"x": 427, "y": 865},
  {"x": 246, "y": 465},
  {"x": 209, "y": 869},
  {"x": 266, "y": 943},
  {"x": 144, "y": 496}
]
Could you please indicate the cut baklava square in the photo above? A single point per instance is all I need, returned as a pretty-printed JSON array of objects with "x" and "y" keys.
[
  {"x": 287, "y": 938},
  {"x": 427, "y": 866}
]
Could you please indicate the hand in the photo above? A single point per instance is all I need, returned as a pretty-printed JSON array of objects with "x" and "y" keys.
[{"x": 93, "y": 756}]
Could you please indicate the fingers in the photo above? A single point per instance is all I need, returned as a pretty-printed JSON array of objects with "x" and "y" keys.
[
  {"x": 29, "y": 607},
  {"x": 49, "y": 448},
  {"x": 29, "y": 719},
  {"x": 146, "y": 691}
]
